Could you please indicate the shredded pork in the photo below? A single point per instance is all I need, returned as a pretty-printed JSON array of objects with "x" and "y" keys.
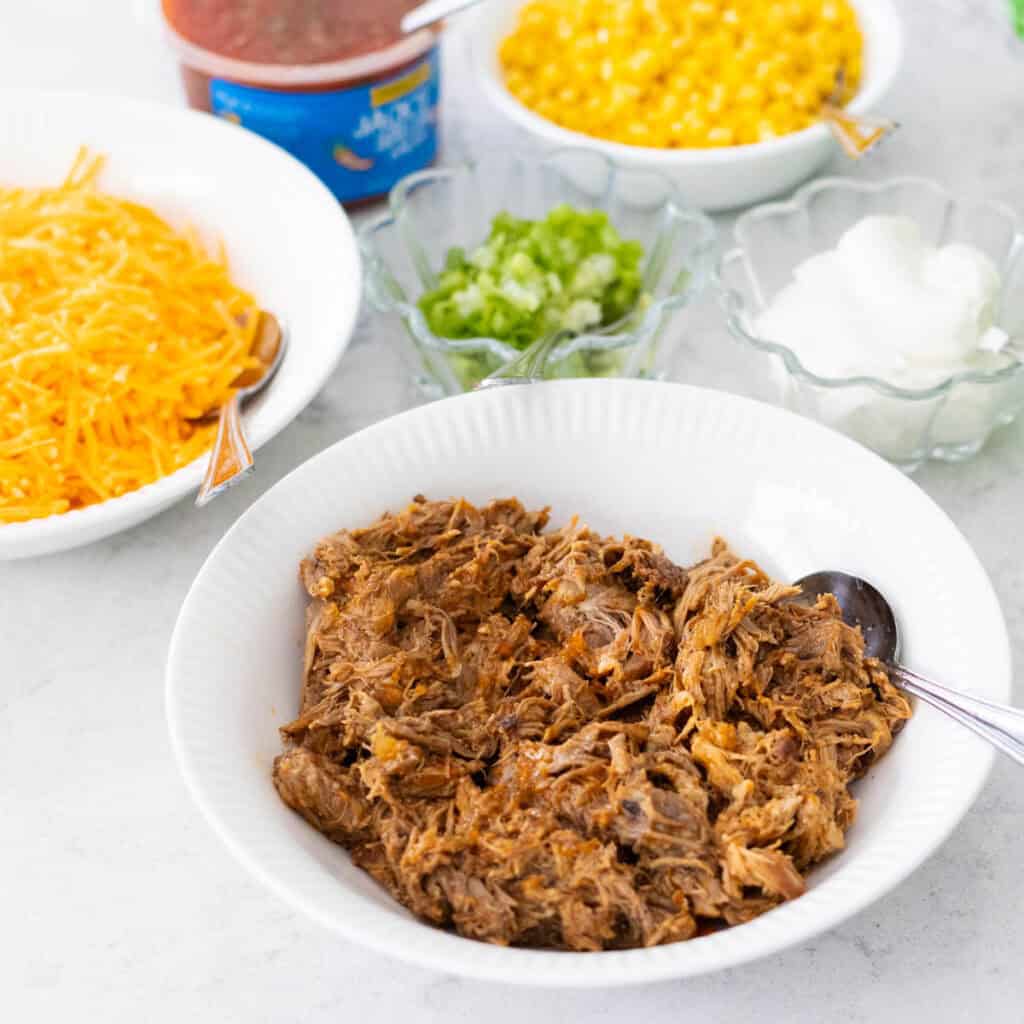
[{"x": 567, "y": 741}]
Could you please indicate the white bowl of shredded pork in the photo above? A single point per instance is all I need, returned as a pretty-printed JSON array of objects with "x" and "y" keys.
[
  {"x": 515, "y": 685},
  {"x": 138, "y": 246}
]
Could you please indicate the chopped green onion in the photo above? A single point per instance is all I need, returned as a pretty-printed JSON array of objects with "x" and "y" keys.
[{"x": 570, "y": 271}]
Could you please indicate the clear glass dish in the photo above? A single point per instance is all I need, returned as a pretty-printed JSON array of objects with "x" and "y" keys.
[
  {"x": 950, "y": 421},
  {"x": 434, "y": 210}
]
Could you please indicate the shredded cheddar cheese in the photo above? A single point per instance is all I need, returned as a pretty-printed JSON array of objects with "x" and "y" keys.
[{"x": 117, "y": 333}]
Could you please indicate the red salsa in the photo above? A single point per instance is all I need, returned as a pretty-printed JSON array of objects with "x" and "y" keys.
[{"x": 288, "y": 31}]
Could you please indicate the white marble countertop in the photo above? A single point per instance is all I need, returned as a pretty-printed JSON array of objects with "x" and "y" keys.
[{"x": 119, "y": 904}]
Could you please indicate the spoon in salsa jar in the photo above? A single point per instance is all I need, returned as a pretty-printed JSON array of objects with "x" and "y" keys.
[
  {"x": 864, "y": 606},
  {"x": 231, "y": 458},
  {"x": 431, "y": 12}
]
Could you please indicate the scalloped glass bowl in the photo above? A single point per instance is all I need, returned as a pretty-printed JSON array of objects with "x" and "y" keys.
[
  {"x": 434, "y": 210},
  {"x": 950, "y": 421}
]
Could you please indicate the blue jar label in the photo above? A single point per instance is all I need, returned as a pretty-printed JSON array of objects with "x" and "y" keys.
[{"x": 359, "y": 141}]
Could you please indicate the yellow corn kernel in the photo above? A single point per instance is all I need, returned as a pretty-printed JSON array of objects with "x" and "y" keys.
[
  {"x": 721, "y": 135},
  {"x": 669, "y": 103},
  {"x": 750, "y": 94},
  {"x": 715, "y": 101}
]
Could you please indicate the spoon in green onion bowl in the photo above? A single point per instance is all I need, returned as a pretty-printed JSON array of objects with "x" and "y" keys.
[{"x": 528, "y": 366}]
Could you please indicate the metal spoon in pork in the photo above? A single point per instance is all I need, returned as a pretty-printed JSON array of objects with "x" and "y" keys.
[{"x": 863, "y": 605}]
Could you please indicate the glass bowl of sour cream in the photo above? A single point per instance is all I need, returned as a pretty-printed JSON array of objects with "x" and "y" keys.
[{"x": 892, "y": 311}]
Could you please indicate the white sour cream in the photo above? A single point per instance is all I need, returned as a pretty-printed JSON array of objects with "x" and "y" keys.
[{"x": 885, "y": 304}]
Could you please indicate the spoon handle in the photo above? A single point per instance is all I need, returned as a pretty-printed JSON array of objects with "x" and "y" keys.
[
  {"x": 857, "y": 136},
  {"x": 528, "y": 366},
  {"x": 1001, "y": 725},
  {"x": 432, "y": 11},
  {"x": 230, "y": 458}
]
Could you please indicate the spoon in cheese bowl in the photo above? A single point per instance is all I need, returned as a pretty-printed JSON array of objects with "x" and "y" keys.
[
  {"x": 864, "y": 606},
  {"x": 230, "y": 457}
]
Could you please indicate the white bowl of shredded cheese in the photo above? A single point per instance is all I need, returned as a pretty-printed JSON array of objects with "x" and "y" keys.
[{"x": 287, "y": 242}]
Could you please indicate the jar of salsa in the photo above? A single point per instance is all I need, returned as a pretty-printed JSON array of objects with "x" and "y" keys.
[{"x": 334, "y": 82}]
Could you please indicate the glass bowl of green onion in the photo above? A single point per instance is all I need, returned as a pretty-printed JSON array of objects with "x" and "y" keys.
[{"x": 482, "y": 259}]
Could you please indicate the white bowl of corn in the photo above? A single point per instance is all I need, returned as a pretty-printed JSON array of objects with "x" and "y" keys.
[{"x": 722, "y": 95}]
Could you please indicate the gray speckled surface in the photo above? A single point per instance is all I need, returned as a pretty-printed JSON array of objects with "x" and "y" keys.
[{"x": 120, "y": 905}]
